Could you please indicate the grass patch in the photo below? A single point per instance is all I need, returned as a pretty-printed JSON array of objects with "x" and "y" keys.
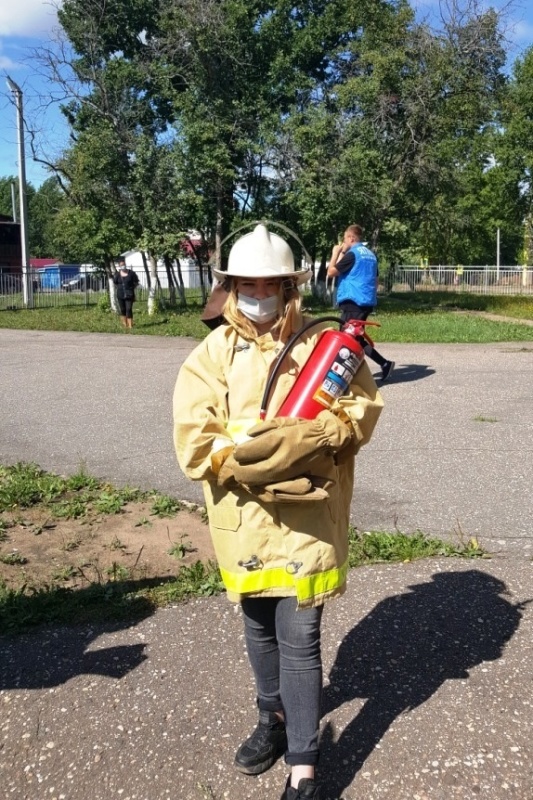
[
  {"x": 113, "y": 594},
  {"x": 377, "y": 547},
  {"x": 424, "y": 317}
]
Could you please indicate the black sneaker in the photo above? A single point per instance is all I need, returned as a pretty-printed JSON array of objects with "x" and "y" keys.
[
  {"x": 266, "y": 744},
  {"x": 386, "y": 370},
  {"x": 307, "y": 790}
]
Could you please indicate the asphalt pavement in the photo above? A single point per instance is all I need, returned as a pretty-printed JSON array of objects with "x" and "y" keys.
[{"x": 427, "y": 665}]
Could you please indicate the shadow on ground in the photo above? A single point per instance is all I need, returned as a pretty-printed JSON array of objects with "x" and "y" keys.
[
  {"x": 399, "y": 655},
  {"x": 64, "y": 623},
  {"x": 407, "y": 373}
]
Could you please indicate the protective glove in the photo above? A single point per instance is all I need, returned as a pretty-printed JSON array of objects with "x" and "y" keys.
[
  {"x": 221, "y": 464},
  {"x": 284, "y": 448},
  {"x": 299, "y": 490}
]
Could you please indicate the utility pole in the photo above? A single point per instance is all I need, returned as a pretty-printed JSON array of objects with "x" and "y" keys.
[
  {"x": 13, "y": 203},
  {"x": 497, "y": 254},
  {"x": 27, "y": 279}
]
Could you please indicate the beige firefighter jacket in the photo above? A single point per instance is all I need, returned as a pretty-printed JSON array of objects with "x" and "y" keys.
[{"x": 263, "y": 548}]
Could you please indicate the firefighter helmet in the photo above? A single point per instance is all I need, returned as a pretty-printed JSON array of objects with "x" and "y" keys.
[{"x": 261, "y": 254}]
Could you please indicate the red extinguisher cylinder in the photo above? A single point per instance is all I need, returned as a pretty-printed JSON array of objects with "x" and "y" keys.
[{"x": 325, "y": 376}]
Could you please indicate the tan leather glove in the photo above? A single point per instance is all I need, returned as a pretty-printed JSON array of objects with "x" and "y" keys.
[
  {"x": 299, "y": 490},
  {"x": 222, "y": 469},
  {"x": 285, "y": 447}
]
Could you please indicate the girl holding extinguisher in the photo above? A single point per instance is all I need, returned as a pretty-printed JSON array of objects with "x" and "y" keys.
[{"x": 277, "y": 493}]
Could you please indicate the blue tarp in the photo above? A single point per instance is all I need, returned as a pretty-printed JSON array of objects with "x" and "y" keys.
[{"x": 52, "y": 277}]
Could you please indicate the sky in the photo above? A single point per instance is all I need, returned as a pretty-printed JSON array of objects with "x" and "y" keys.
[{"x": 29, "y": 24}]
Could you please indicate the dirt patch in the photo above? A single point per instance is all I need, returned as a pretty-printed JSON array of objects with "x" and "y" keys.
[{"x": 134, "y": 544}]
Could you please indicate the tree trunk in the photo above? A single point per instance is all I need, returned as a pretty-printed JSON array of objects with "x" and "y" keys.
[
  {"x": 219, "y": 233},
  {"x": 180, "y": 283},
  {"x": 170, "y": 279},
  {"x": 146, "y": 270},
  {"x": 154, "y": 284},
  {"x": 111, "y": 287}
]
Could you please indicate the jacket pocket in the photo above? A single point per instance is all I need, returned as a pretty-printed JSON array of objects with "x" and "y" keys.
[{"x": 226, "y": 518}]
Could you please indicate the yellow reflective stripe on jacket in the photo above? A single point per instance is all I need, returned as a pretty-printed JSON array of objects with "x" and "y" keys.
[
  {"x": 238, "y": 428},
  {"x": 307, "y": 587}
]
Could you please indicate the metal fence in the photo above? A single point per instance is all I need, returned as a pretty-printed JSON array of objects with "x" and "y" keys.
[
  {"x": 473, "y": 279},
  {"x": 87, "y": 288},
  {"x": 54, "y": 289}
]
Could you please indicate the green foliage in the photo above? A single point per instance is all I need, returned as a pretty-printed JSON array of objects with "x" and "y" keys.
[
  {"x": 110, "y": 502},
  {"x": 376, "y": 547},
  {"x": 181, "y": 548},
  {"x": 24, "y": 485},
  {"x": 201, "y": 114},
  {"x": 13, "y": 558},
  {"x": 404, "y": 317},
  {"x": 164, "y": 506},
  {"x": 115, "y": 595},
  {"x": 198, "y": 580}
]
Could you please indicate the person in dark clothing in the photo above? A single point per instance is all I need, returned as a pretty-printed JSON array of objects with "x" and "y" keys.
[
  {"x": 126, "y": 281},
  {"x": 356, "y": 268}
]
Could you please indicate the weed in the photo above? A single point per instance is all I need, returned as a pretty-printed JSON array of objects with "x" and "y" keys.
[
  {"x": 371, "y": 547},
  {"x": 481, "y": 418},
  {"x": 198, "y": 580},
  {"x": 64, "y": 573},
  {"x": 24, "y": 485},
  {"x": 13, "y": 558},
  {"x": 117, "y": 572},
  {"x": 112, "y": 594},
  {"x": 109, "y": 503},
  {"x": 4, "y": 527},
  {"x": 180, "y": 549},
  {"x": 69, "y": 509},
  {"x": 71, "y": 544},
  {"x": 116, "y": 544},
  {"x": 165, "y": 506},
  {"x": 46, "y": 526},
  {"x": 143, "y": 521},
  {"x": 82, "y": 481}
]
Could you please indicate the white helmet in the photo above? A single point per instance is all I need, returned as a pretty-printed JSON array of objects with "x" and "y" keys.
[{"x": 261, "y": 254}]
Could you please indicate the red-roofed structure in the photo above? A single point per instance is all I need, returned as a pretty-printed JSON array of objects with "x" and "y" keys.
[{"x": 39, "y": 263}]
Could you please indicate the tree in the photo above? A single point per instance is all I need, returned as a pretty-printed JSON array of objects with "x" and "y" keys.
[{"x": 406, "y": 105}]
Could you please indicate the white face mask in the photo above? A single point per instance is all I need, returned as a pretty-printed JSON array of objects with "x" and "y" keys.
[{"x": 258, "y": 310}]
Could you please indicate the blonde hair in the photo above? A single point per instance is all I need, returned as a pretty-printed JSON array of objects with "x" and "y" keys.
[
  {"x": 355, "y": 231},
  {"x": 289, "y": 311}
]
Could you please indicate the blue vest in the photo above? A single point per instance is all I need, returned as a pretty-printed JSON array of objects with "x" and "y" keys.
[{"x": 359, "y": 285}]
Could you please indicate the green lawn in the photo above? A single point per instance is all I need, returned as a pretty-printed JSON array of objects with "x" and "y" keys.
[{"x": 426, "y": 317}]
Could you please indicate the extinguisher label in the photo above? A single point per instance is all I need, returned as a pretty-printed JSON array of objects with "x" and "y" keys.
[
  {"x": 341, "y": 370},
  {"x": 338, "y": 378}
]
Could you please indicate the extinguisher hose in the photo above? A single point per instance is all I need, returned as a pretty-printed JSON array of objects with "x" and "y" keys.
[{"x": 291, "y": 342}]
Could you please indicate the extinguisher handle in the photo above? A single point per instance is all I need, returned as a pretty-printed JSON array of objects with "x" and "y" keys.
[{"x": 357, "y": 327}]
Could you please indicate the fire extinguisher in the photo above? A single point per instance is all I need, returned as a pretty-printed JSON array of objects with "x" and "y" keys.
[{"x": 327, "y": 373}]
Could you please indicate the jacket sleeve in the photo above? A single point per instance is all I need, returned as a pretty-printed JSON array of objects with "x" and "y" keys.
[
  {"x": 200, "y": 410},
  {"x": 361, "y": 406}
]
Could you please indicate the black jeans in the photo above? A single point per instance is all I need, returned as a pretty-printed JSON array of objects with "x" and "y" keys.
[
  {"x": 284, "y": 651},
  {"x": 126, "y": 307},
  {"x": 351, "y": 310}
]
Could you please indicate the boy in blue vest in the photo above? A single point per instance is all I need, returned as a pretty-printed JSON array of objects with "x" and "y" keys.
[{"x": 356, "y": 270}]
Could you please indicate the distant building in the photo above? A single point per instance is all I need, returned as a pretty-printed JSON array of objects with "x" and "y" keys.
[
  {"x": 40, "y": 263},
  {"x": 189, "y": 269}
]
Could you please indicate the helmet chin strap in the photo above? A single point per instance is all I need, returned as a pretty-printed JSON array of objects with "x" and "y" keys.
[{"x": 290, "y": 290}]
